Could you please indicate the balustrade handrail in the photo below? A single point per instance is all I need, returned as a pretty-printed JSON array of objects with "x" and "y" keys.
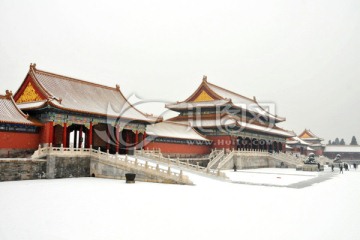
[
  {"x": 226, "y": 159},
  {"x": 115, "y": 160},
  {"x": 217, "y": 158},
  {"x": 183, "y": 164}
]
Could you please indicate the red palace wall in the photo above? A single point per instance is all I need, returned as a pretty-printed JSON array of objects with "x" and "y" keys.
[
  {"x": 46, "y": 133},
  {"x": 179, "y": 148},
  {"x": 19, "y": 140}
]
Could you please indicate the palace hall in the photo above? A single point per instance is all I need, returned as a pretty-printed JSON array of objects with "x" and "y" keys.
[
  {"x": 230, "y": 120},
  {"x": 57, "y": 110}
]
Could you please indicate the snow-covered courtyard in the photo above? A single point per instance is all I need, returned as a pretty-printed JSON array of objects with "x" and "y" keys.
[{"x": 92, "y": 208}]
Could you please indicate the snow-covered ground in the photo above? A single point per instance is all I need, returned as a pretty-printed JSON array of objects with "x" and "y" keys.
[
  {"x": 271, "y": 176},
  {"x": 91, "y": 208}
]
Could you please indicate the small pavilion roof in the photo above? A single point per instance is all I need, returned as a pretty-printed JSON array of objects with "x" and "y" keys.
[
  {"x": 10, "y": 113},
  {"x": 72, "y": 94},
  {"x": 310, "y": 149},
  {"x": 174, "y": 130},
  {"x": 309, "y": 135},
  {"x": 296, "y": 140},
  {"x": 211, "y": 95}
]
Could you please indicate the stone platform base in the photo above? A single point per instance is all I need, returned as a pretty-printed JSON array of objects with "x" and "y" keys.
[{"x": 309, "y": 168}]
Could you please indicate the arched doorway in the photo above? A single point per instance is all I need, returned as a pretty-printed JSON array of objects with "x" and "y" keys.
[
  {"x": 280, "y": 147},
  {"x": 247, "y": 144},
  {"x": 77, "y": 135},
  {"x": 240, "y": 144},
  {"x": 254, "y": 144},
  {"x": 275, "y": 147},
  {"x": 262, "y": 145},
  {"x": 270, "y": 147}
]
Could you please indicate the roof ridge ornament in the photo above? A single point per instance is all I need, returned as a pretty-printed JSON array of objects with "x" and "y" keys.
[
  {"x": 204, "y": 78},
  {"x": 8, "y": 94},
  {"x": 118, "y": 87},
  {"x": 32, "y": 65}
]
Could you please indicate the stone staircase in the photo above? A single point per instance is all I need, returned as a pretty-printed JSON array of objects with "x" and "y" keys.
[
  {"x": 105, "y": 165},
  {"x": 184, "y": 164},
  {"x": 216, "y": 157}
]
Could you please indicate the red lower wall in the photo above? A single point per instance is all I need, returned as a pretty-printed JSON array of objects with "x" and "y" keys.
[
  {"x": 19, "y": 140},
  {"x": 179, "y": 148}
]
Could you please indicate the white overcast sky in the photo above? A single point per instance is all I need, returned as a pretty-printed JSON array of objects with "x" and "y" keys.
[{"x": 302, "y": 55}]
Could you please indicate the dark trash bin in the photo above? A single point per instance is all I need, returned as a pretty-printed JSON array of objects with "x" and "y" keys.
[{"x": 130, "y": 177}]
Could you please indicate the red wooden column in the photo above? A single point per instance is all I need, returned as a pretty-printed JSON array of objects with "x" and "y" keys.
[
  {"x": 75, "y": 137},
  {"x": 90, "y": 134},
  {"x": 136, "y": 139},
  {"x": 284, "y": 147},
  {"x": 107, "y": 137},
  {"x": 144, "y": 140},
  {"x": 127, "y": 141},
  {"x": 64, "y": 139},
  {"x": 117, "y": 136},
  {"x": 51, "y": 132},
  {"x": 80, "y": 136}
]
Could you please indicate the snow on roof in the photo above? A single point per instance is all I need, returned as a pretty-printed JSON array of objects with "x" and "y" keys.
[
  {"x": 224, "y": 96},
  {"x": 186, "y": 105},
  {"x": 174, "y": 130},
  {"x": 310, "y": 149},
  {"x": 235, "y": 98},
  {"x": 77, "y": 95},
  {"x": 288, "y": 147},
  {"x": 30, "y": 105},
  {"x": 297, "y": 140},
  {"x": 266, "y": 129},
  {"x": 229, "y": 121},
  {"x": 10, "y": 113},
  {"x": 309, "y": 135},
  {"x": 343, "y": 148}
]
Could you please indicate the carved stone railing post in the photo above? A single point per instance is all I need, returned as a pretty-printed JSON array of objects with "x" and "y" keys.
[
  {"x": 181, "y": 175},
  {"x": 157, "y": 167},
  {"x": 169, "y": 171},
  {"x": 136, "y": 161},
  {"x": 146, "y": 165},
  {"x": 187, "y": 162},
  {"x": 197, "y": 166},
  {"x": 61, "y": 148}
]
